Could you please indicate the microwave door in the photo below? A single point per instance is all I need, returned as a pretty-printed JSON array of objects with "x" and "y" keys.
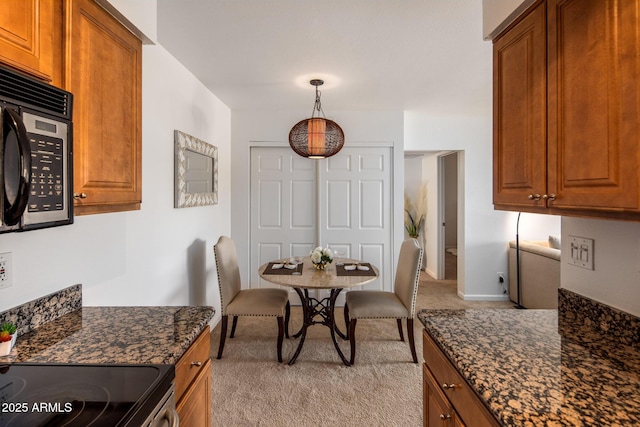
[{"x": 16, "y": 167}]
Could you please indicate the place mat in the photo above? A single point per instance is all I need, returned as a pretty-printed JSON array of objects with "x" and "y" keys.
[
  {"x": 340, "y": 271},
  {"x": 282, "y": 271}
]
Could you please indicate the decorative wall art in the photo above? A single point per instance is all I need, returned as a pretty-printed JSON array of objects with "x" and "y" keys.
[{"x": 196, "y": 172}]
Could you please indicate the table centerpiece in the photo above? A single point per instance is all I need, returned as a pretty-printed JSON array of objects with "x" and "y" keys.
[{"x": 320, "y": 257}]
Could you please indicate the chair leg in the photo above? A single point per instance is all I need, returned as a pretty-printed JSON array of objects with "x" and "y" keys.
[
  {"x": 287, "y": 316},
  {"x": 280, "y": 337},
  {"x": 233, "y": 327},
  {"x": 412, "y": 343},
  {"x": 223, "y": 335},
  {"x": 346, "y": 321},
  {"x": 400, "y": 329},
  {"x": 352, "y": 339}
]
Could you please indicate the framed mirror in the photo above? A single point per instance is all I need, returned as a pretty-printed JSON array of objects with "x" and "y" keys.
[{"x": 196, "y": 172}]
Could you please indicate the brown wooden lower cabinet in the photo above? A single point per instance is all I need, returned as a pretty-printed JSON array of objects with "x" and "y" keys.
[
  {"x": 437, "y": 408},
  {"x": 193, "y": 383},
  {"x": 448, "y": 401}
]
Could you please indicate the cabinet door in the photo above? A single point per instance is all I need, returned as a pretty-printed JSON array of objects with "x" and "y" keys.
[
  {"x": 437, "y": 409},
  {"x": 190, "y": 364},
  {"x": 593, "y": 104},
  {"x": 104, "y": 72},
  {"x": 31, "y": 37},
  {"x": 194, "y": 409},
  {"x": 519, "y": 93}
]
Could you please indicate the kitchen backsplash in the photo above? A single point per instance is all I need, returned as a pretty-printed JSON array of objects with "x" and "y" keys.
[
  {"x": 576, "y": 311},
  {"x": 35, "y": 313}
]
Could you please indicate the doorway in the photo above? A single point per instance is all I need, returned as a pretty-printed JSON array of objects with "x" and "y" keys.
[
  {"x": 440, "y": 172},
  {"x": 448, "y": 200}
]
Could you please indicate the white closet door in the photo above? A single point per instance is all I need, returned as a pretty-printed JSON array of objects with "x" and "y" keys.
[
  {"x": 356, "y": 206},
  {"x": 348, "y": 207},
  {"x": 283, "y": 207}
]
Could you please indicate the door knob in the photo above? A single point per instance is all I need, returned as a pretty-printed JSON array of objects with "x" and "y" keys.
[{"x": 535, "y": 197}]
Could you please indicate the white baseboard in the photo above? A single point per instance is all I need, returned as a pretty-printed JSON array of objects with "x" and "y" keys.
[{"x": 483, "y": 297}]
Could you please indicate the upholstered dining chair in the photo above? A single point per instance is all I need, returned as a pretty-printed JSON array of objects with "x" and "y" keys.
[
  {"x": 399, "y": 304},
  {"x": 237, "y": 302}
]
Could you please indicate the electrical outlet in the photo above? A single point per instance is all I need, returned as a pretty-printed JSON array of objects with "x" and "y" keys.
[
  {"x": 6, "y": 271},
  {"x": 501, "y": 281}
]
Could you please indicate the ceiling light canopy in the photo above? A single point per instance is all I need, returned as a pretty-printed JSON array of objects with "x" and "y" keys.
[{"x": 316, "y": 137}]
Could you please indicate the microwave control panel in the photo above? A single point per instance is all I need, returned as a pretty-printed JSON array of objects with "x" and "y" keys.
[{"x": 47, "y": 171}]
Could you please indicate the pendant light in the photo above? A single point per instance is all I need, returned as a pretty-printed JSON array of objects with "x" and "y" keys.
[{"x": 316, "y": 137}]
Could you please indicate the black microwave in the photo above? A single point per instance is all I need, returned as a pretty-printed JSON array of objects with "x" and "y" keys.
[{"x": 36, "y": 155}]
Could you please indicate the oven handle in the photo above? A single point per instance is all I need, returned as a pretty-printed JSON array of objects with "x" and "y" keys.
[
  {"x": 13, "y": 213},
  {"x": 171, "y": 416}
]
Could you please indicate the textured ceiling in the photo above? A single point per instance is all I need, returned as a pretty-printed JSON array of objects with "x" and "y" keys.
[{"x": 425, "y": 55}]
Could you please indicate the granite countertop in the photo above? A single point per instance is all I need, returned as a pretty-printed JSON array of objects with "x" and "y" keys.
[
  {"x": 530, "y": 372},
  {"x": 113, "y": 335}
]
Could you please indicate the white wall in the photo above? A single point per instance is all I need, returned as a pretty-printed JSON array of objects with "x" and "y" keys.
[
  {"x": 157, "y": 255},
  {"x": 412, "y": 178},
  {"x": 141, "y": 13},
  {"x": 482, "y": 236},
  {"x": 412, "y": 182},
  {"x": 497, "y": 14},
  {"x": 271, "y": 128},
  {"x": 615, "y": 280}
]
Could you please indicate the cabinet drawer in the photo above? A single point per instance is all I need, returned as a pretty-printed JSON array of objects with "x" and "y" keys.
[
  {"x": 192, "y": 361},
  {"x": 464, "y": 400},
  {"x": 437, "y": 410},
  {"x": 194, "y": 409}
]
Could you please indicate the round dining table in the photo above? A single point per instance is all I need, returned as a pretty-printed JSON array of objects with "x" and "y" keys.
[{"x": 305, "y": 277}]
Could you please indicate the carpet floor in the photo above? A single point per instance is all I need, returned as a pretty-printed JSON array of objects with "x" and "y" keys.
[{"x": 383, "y": 388}]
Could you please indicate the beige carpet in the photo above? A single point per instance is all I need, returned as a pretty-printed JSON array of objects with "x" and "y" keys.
[{"x": 383, "y": 388}]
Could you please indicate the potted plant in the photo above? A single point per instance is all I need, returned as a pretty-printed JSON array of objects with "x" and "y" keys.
[
  {"x": 8, "y": 337},
  {"x": 415, "y": 214}
]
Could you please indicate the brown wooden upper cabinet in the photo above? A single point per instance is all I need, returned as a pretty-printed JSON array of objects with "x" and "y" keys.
[
  {"x": 31, "y": 38},
  {"x": 566, "y": 110},
  {"x": 103, "y": 69},
  {"x": 78, "y": 46}
]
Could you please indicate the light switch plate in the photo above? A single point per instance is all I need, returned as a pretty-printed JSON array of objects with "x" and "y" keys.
[
  {"x": 6, "y": 270},
  {"x": 581, "y": 252}
]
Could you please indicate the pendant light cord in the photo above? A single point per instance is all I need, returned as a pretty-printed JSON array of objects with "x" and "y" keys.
[{"x": 318, "y": 105}]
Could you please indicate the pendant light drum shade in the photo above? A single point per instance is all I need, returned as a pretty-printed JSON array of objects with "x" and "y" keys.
[{"x": 316, "y": 138}]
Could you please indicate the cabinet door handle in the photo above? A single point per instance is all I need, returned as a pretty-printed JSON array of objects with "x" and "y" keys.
[
  {"x": 535, "y": 197},
  {"x": 449, "y": 386},
  {"x": 444, "y": 417},
  {"x": 77, "y": 196},
  {"x": 551, "y": 197},
  {"x": 196, "y": 363}
]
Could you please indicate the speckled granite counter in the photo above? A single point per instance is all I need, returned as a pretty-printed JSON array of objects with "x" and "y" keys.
[
  {"x": 530, "y": 372},
  {"x": 109, "y": 335}
]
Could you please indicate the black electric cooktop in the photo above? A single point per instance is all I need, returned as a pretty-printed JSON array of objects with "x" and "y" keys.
[{"x": 52, "y": 395}]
